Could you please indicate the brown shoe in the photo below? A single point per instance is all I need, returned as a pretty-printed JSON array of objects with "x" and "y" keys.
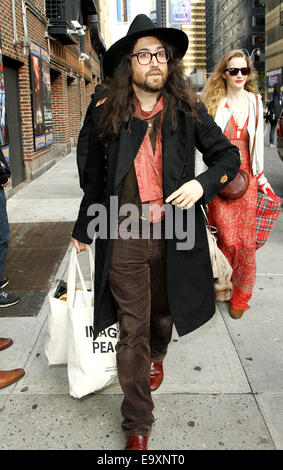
[
  {"x": 236, "y": 313},
  {"x": 156, "y": 375},
  {"x": 5, "y": 343},
  {"x": 7, "y": 377},
  {"x": 137, "y": 443}
]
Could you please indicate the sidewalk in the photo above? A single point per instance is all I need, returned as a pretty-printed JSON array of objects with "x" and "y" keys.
[{"x": 223, "y": 385}]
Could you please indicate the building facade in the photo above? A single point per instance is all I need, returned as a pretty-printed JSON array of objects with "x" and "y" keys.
[
  {"x": 105, "y": 7},
  {"x": 233, "y": 24},
  {"x": 162, "y": 13},
  {"x": 274, "y": 45},
  {"x": 195, "y": 58},
  {"x": 122, "y": 14},
  {"x": 49, "y": 65},
  {"x": 194, "y": 13}
]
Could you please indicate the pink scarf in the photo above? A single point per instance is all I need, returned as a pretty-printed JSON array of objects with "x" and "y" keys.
[{"x": 148, "y": 166}]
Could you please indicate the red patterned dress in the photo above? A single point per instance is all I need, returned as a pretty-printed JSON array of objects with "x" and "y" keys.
[{"x": 236, "y": 224}]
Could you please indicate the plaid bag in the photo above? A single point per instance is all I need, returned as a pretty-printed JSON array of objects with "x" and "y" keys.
[{"x": 267, "y": 211}]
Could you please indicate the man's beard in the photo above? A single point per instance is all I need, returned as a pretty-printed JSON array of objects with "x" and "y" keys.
[{"x": 145, "y": 85}]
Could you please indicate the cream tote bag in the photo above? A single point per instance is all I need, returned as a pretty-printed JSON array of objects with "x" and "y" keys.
[
  {"x": 91, "y": 362},
  {"x": 55, "y": 346}
]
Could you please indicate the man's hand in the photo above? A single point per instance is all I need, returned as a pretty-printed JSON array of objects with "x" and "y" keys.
[
  {"x": 186, "y": 196},
  {"x": 79, "y": 245},
  {"x": 6, "y": 184}
]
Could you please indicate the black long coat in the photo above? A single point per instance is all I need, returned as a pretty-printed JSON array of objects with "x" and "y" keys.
[{"x": 103, "y": 166}]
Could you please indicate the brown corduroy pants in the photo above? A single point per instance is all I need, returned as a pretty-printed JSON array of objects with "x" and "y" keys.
[{"x": 137, "y": 279}]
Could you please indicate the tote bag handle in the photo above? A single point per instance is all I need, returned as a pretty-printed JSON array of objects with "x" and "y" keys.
[
  {"x": 204, "y": 213},
  {"x": 74, "y": 266}
]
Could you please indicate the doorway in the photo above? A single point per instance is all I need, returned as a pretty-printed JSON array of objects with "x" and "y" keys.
[{"x": 14, "y": 124}]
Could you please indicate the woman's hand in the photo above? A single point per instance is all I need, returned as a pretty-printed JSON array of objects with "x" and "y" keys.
[
  {"x": 79, "y": 245},
  {"x": 186, "y": 196},
  {"x": 264, "y": 187}
]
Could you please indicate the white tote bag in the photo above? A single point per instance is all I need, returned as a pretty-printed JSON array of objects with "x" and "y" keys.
[
  {"x": 56, "y": 347},
  {"x": 91, "y": 363},
  {"x": 56, "y": 342}
]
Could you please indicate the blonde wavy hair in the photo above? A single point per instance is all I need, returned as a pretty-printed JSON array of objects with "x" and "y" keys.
[{"x": 216, "y": 88}]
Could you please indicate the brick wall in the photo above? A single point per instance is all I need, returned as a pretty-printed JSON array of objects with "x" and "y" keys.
[
  {"x": 74, "y": 106},
  {"x": 60, "y": 108},
  {"x": 72, "y": 82}
]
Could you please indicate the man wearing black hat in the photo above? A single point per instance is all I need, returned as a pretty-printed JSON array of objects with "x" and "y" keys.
[{"x": 141, "y": 133}]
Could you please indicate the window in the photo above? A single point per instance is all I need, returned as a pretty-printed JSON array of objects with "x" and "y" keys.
[
  {"x": 258, "y": 39},
  {"x": 258, "y": 20}
]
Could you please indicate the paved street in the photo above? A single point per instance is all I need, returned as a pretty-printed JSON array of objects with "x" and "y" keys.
[{"x": 223, "y": 387}]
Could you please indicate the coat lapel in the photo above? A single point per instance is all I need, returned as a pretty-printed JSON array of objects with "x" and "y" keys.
[
  {"x": 129, "y": 145},
  {"x": 175, "y": 151}
]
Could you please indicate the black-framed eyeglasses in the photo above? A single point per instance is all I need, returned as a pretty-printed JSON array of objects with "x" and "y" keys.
[
  {"x": 145, "y": 57},
  {"x": 233, "y": 71}
]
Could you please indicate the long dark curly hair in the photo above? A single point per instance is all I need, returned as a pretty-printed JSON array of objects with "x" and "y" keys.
[{"x": 118, "y": 108}]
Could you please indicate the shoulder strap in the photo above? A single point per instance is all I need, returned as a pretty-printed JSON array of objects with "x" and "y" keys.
[{"x": 256, "y": 123}]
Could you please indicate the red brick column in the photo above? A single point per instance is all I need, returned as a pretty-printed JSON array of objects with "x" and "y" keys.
[
  {"x": 74, "y": 107},
  {"x": 60, "y": 111}
]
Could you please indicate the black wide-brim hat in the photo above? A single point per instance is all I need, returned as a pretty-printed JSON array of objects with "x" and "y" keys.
[{"x": 140, "y": 27}]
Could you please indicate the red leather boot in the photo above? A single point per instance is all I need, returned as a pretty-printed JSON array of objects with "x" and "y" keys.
[{"x": 156, "y": 375}]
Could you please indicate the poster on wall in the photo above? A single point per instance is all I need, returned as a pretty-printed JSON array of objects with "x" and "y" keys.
[
  {"x": 4, "y": 141},
  {"x": 41, "y": 96},
  {"x": 180, "y": 11}
]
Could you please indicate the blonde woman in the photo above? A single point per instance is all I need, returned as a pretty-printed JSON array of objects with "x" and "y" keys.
[{"x": 230, "y": 96}]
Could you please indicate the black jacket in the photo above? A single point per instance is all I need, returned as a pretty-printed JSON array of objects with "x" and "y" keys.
[
  {"x": 275, "y": 106},
  {"x": 5, "y": 172},
  {"x": 190, "y": 284},
  {"x": 273, "y": 111}
]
